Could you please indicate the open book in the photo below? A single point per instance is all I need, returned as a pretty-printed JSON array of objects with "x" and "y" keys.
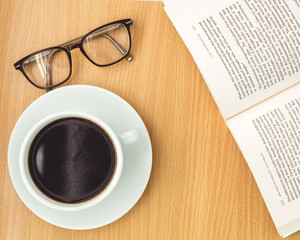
[{"x": 248, "y": 52}]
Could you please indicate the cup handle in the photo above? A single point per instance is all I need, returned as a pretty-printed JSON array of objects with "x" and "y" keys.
[{"x": 129, "y": 137}]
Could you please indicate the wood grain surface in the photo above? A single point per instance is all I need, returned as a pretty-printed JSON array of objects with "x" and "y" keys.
[{"x": 200, "y": 186}]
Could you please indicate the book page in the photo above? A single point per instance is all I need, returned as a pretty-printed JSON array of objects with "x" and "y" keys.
[
  {"x": 269, "y": 138},
  {"x": 246, "y": 50}
]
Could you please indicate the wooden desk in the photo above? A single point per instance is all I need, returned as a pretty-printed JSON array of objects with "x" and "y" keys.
[{"x": 200, "y": 187}]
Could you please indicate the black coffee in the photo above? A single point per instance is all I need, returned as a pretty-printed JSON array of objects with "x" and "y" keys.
[{"x": 71, "y": 160}]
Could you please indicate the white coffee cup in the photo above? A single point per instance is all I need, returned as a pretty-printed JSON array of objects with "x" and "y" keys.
[{"x": 119, "y": 142}]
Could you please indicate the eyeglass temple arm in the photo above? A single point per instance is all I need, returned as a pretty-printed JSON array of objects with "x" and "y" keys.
[
  {"x": 48, "y": 70},
  {"x": 119, "y": 47}
]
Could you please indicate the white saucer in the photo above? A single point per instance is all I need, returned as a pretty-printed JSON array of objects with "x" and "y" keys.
[{"x": 137, "y": 157}]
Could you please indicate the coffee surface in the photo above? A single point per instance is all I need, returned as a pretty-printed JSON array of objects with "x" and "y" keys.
[{"x": 71, "y": 160}]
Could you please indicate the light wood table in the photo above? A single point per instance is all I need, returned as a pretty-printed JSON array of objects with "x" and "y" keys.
[{"x": 200, "y": 186}]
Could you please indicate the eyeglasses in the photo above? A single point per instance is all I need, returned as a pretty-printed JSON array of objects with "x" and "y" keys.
[{"x": 104, "y": 46}]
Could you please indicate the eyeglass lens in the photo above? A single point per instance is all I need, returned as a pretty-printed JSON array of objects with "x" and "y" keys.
[
  {"x": 47, "y": 68},
  {"x": 107, "y": 45}
]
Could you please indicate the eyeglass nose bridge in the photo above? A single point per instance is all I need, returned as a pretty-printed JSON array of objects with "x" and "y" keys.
[
  {"x": 77, "y": 45},
  {"x": 70, "y": 45}
]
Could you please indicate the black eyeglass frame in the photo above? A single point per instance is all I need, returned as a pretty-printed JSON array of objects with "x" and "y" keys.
[{"x": 77, "y": 43}]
